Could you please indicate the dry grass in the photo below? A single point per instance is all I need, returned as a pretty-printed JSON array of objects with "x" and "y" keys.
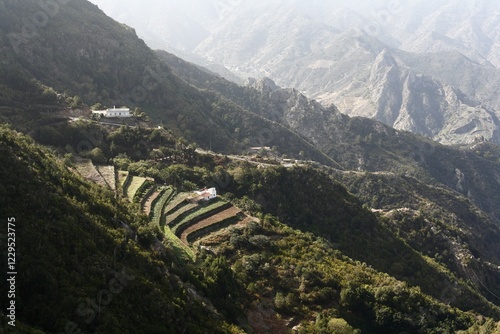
[
  {"x": 108, "y": 173},
  {"x": 87, "y": 169},
  {"x": 122, "y": 176},
  {"x": 134, "y": 185}
]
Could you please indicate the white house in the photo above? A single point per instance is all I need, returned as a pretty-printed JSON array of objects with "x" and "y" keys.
[
  {"x": 203, "y": 195},
  {"x": 114, "y": 112}
]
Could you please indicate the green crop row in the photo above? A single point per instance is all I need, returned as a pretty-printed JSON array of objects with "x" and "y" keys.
[
  {"x": 158, "y": 205},
  {"x": 200, "y": 213},
  {"x": 198, "y": 234}
]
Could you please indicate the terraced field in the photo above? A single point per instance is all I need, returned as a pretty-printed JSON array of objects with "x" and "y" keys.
[
  {"x": 131, "y": 187},
  {"x": 179, "y": 199},
  {"x": 87, "y": 169},
  {"x": 121, "y": 179},
  {"x": 158, "y": 205},
  {"x": 108, "y": 174},
  {"x": 157, "y": 214},
  {"x": 189, "y": 222},
  {"x": 219, "y": 220},
  {"x": 144, "y": 191},
  {"x": 148, "y": 201},
  {"x": 181, "y": 221},
  {"x": 192, "y": 216},
  {"x": 179, "y": 211}
]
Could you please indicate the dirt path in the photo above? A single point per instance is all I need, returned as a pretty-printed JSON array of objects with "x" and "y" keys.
[{"x": 232, "y": 211}]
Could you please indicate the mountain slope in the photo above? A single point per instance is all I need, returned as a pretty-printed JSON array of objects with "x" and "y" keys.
[
  {"x": 74, "y": 249},
  {"x": 319, "y": 49},
  {"x": 87, "y": 58},
  {"x": 362, "y": 144},
  {"x": 325, "y": 209},
  {"x": 230, "y": 120},
  {"x": 473, "y": 30},
  {"x": 358, "y": 143},
  {"x": 365, "y": 77},
  {"x": 435, "y": 221},
  {"x": 254, "y": 267},
  {"x": 73, "y": 252},
  {"x": 375, "y": 151},
  {"x": 441, "y": 82}
]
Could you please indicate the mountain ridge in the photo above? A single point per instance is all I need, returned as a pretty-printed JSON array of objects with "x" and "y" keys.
[
  {"x": 318, "y": 74},
  {"x": 354, "y": 143},
  {"x": 302, "y": 258},
  {"x": 326, "y": 50}
]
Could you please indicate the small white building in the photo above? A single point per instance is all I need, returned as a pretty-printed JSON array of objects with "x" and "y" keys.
[
  {"x": 113, "y": 112},
  {"x": 203, "y": 195},
  {"x": 260, "y": 148}
]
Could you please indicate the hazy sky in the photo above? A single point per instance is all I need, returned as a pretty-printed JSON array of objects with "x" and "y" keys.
[
  {"x": 191, "y": 15},
  {"x": 207, "y": 12},
  {"x": 180, "y": 26}
]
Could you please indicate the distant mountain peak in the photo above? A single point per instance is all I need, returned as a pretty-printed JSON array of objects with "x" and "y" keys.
[
  {"x": 385, "y": 58},
  {"x": 264, "y": 85}
]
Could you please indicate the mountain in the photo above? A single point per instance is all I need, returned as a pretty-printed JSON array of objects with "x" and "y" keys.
[
  {"x": 397, "y": 160},
  {"x": 407, "y": 65},
  {"x": 358, "y": 143},
  {"x": 451, "y": 103},
  {"x": 472, "y": 31},
  {"x": 237, "y": 117},
  {"x": 411, "y": 246},
  {"x": 117, "y": 68},
  {"x": 166, "y": 294},
  {"x": 79, "y": 268},
  {"x": 179, "y": 32}
]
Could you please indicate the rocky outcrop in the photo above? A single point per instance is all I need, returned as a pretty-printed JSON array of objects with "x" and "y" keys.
[
  {"x": 443, "y": 95},
  {"x": 407, "y": 65}
]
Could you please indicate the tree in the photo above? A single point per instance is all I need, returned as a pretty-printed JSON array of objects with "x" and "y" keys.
[
  {"x": 75, "y": 102},
  {"x": 98, "y": 106},
  {"x": 139, "y": 113},
  {"x": 340, "y": 326},
  {"x": 122, "y": 161},
  {"x": 279, "y": 301},
  {"x": 97, "y": 156}
]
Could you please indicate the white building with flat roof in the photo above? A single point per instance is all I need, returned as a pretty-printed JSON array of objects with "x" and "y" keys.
[
  {"x": 113, "y": 112},
  {"x": 203, "y": 195}
]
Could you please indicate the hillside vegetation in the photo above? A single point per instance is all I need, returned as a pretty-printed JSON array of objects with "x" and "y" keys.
[
  {"x": 205, "y": 108},
  {"x": 331, "y": 225},
  {"x": 72, "y": 248},
  {"x": 361, "y": 144},
  {"x": 265, "y": 270},
  {"x": 97, "y": 60}
]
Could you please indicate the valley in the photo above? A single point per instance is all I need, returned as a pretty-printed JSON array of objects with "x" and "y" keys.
[
  {"x": 246, "y": 208},
  {"x": 404, "y": 64}
]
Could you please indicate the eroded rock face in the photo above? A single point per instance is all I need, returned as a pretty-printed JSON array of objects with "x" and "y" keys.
[
  {"x": 447, "y": 94},
  {"x": 426, "y": 67}
]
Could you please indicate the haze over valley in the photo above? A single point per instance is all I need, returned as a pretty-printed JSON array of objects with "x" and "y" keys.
[
  {"x": 429, "y": 68},
  {"x": 231, "y": 166}
]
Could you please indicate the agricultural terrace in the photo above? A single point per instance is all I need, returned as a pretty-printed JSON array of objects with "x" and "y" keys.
[{"x": 131, "y": 187}]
